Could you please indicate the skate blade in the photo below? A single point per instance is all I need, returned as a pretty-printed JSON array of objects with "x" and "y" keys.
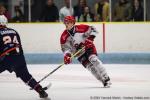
[{"x": 108, "y": 85}]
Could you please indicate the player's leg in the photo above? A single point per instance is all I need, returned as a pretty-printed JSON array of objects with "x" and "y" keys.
[
  {"x": 90, "y": 61},
  {"x": 4, "y": 67},
  {"x": 1, "y": 69},
  {"x": 22, "y": 72},
  {"x": 27, "y": 78},
  {"x": 97, "y": 69}
]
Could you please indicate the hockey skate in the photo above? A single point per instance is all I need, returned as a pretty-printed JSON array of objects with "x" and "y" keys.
[
  {"x": 42, "y": 93},
  {"x": 107, "y": 82}
]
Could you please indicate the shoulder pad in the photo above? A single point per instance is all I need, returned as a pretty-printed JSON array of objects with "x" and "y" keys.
[
  {"x": 64, "y": 37},
  {"x": 81, "y": 28}
]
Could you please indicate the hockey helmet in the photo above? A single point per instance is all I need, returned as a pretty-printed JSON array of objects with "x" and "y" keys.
[
  {"x": 3, "y": 20},
  {"x": 69, "y": 19}
]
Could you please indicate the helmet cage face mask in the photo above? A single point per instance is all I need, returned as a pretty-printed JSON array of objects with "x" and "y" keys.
[{"x": 3, "y": 20}]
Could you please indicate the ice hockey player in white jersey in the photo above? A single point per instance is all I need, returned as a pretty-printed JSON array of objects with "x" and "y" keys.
[{"x": 76, "y": 37}]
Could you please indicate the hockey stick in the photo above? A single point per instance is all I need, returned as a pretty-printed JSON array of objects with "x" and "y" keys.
[{"x": 46, "y": 87}]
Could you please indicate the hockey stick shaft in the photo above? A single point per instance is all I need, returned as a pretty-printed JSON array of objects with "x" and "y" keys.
[
  {"x": 75, "y": 54},
  {"x": 50, "y": 73}
]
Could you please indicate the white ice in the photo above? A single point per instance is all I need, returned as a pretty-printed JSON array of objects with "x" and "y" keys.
[{"x": 73, "y": 82}]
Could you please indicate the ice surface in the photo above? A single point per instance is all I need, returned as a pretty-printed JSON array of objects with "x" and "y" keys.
[{"x": 73, "y": 82}]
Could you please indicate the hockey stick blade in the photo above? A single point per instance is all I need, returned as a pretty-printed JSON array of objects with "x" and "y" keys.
[{"x": 47, "y": 87}]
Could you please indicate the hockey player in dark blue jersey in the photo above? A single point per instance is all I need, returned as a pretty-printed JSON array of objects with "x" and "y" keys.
[{"x": 12, "y": 57}]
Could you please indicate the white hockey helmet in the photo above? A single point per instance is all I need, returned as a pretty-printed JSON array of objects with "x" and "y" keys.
[{"x": 3, "y": 20}]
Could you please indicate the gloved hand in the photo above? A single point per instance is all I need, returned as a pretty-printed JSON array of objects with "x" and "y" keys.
[
  {"x": 67, "y": 58},
  {"x": 88, "y": 44}
]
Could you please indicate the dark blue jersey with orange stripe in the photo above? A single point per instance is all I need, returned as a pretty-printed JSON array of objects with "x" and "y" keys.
[
  {"x": 12, "y": 58},
  {"x": 9, "y": 42}
]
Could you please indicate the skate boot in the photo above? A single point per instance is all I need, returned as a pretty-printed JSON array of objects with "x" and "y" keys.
[
  {"x": 42, "y": 93},
  {"x": 106, "y": 82}
]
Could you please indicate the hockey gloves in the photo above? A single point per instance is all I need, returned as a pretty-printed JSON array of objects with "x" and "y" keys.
[
  {"x": 67, "y": 58},
  {"x": 87, "y": 44}
]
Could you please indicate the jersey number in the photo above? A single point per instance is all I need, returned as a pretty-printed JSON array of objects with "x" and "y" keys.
[{"x": 8, "y": 39}]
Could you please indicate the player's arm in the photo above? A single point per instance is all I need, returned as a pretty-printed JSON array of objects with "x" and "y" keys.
[
  {"x": 66, "y": 48},
  {"x": 19, "y": 49},
  {"x": 91, "y": 33}
]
